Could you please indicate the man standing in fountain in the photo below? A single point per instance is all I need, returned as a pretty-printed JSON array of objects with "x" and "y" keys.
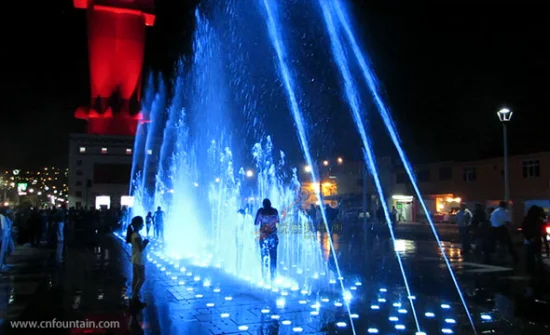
[
  {"x": 267, "y": 218},
  {"x": 158, "y": 222}
]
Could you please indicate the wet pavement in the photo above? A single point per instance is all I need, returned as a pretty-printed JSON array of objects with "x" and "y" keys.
[
  {"x": 203, "y": 300},
  {"x": 20, "y": 279}
]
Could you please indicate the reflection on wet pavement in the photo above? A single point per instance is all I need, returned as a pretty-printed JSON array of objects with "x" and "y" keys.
[
  {"x": 20, "y": 279},
  {"x": 206, "y": 300},
  {"x": 186, "y": 297}
]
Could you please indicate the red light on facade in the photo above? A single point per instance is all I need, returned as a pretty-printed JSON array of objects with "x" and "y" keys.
[
  {"x": 80, "y": 4},
  {"x": 116, "y": 40},
  {"x": 149, "y": 19}
]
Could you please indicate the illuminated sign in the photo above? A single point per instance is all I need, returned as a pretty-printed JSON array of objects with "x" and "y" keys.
[{"x": 22, "y": 188}]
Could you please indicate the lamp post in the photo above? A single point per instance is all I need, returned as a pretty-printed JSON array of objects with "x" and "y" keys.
[{"x": 505, "y": 115}]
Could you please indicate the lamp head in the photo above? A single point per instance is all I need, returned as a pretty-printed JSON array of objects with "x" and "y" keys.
[{"x": 504, "y": 115}]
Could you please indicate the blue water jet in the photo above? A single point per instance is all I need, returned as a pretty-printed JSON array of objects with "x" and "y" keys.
[
  {"x": 274, "y": 28},
  {"x": 354, "y": 104},
  {"x": 372, "y": 84},
  {"x": 196, "y": 177},
  {"x": 140, "y": 140},
  {"x": 154, "y": 133}
]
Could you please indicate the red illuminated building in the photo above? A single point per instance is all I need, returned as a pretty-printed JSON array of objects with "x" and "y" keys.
[
  {"x": 100, "y": 161},
  {"x": 116, "y": 40}
]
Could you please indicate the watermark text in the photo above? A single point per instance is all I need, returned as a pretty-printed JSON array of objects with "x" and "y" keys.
[{"x": 62, "y": 324}]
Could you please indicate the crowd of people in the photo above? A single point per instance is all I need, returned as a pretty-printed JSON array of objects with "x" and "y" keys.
[
  {"x": 50, "y": 227},
  {"x": 490, "y": 232}
]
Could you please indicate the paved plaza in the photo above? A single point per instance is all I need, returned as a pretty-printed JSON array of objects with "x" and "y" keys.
[{"x": 184, "y": 297}]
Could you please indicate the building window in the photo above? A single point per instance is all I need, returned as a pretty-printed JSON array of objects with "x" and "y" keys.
[
  {"x": 470, "y": 174},
  {"x": 445, "y": 173},
  {"x": 78, "y": 183},
  {"x": 401, "y": 178},
  {"x": 103, "y": 150},
  {"x": 82, "y": 150},
  {"x": 79, "y": 172},
  {"x": 149, "y": 152},
  {"x": 78, "y": 194},
  {"x": 423, "y": 175},
  {"x": 531, "y": 169},
  {"x": 128, "y": 151},
  {"x": 79, "y": 162}
]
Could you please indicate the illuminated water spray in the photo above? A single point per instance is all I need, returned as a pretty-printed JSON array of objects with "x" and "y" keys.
[
  {"x": 372, "y": 83},
  {"x": 355, "y": 107},
  {"x": 274, "y": 28},
  {"x": 193, "y": 174}
]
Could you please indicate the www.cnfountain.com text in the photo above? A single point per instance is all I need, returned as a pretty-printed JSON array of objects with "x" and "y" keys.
[{"x": 59, "y": 324}]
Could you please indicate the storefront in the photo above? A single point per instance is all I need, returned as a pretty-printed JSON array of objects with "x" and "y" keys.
[
  {"x": 446, "y": 207},
  {"x": 405, "y": 208}
]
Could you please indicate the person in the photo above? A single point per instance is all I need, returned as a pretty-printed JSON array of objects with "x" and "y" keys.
[
  {"x": 481, "y": 226},
  {"x": 267, "y": 219},
  {"x": 158, "y": 221},
  {"x": 500, "y": 220},
  {"x": 394, "y": 216},
  {"x": 7, "y": 245},
  {"x": 36, "y": 227},
  {"x": 138, "y": 258},
  {"x": 544, "y": 231},
  {"x": 59, "y": 224},
  {"x": 148, "y": 222},
  {"x": 531, "y": 228},
  {"x": 463, "y": 221}
]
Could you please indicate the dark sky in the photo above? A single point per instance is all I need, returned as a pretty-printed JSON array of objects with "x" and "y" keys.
[{"x": 446, "y": 69}]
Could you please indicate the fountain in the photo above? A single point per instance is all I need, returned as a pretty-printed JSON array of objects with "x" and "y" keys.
[
  {"x": 188, "y": 169},
  {"x": 207, "y": 160}
]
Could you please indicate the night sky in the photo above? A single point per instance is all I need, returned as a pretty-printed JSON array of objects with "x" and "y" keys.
[{"x": 446, "y": 70}]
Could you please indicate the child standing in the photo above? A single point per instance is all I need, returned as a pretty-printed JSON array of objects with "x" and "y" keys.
[{"x": 138, "y": 258}]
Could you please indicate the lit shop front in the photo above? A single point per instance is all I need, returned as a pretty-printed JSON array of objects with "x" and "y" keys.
[
  {"x": 446, "y": 206},
  {"x": 404, "y": 204},
  {"x": 104, "y": 201},
  {"x": 309, "y": 192}
]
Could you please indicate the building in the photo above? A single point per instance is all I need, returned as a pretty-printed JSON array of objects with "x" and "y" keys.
[
  {"x": 100, "y": 161},
  {"x": 348, "y": 183},
  {"x": 445, "y": 185},
  {"x": 100, "y": 168}
]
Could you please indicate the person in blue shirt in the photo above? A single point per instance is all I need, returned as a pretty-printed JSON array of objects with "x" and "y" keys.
[{"x": 158, "y": 221}]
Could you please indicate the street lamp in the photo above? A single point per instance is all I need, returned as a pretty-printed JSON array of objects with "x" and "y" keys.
[
  {"x": 505, "y": 115},
  {"x": 307, "y": 168},
  {"x": 249, "y": 173}
]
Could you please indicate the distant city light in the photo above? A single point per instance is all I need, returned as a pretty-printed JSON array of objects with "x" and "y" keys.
[
  {"x": 340, "y": 160},
  {"x": 325, "y": 163},
  {"x": 249, "y": 173},
  {"x": 307, "y": 168}
]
